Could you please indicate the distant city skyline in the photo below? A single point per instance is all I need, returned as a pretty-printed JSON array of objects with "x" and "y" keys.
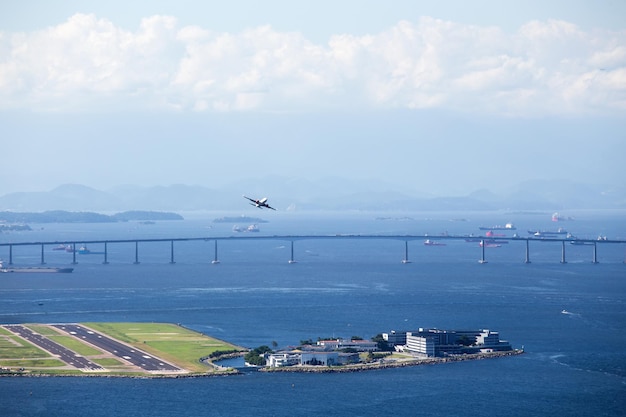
[{"x": 443, "y": 99}]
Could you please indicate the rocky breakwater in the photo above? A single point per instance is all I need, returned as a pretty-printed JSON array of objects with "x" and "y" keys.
[{"x": 392, "y": 363}]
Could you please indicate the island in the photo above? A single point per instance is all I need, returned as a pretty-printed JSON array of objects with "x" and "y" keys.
[
  {"x": 11, "y": 227},
  {"x": 170, "y": 350},
  {"x": 385, "y": 350},
  {"x": 16, "y": 219}
]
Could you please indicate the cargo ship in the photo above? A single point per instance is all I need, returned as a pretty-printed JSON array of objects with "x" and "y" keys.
[
  {"x": 34, "y": 269},
  {"x": 559, "y": 231},
  {"x": 508, "y": 226}
]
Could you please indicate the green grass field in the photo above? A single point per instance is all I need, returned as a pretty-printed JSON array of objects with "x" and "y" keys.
[
  {"x": 171, "y": 342},
  {"x": 14, "y": 347},
  {"x": 182, "y": 347}
]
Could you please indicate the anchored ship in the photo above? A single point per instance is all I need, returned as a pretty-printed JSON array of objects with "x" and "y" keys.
[{"x": 35, "y": 269}]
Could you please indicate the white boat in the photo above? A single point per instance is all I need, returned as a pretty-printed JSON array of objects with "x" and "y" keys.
[
  {"x": 251, "y": 228},
  {"x": 83, "y": 250}
]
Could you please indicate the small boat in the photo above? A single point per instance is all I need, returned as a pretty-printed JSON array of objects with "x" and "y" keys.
[
  {"x": 60, "y": 247},
  {"x": 429, "y": 242},
  {"x": 83, "y": 250},
  {"x": 486, "y": 244}
]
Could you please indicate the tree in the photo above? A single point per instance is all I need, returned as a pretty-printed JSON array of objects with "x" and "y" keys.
[
  {"x": 381, "y": 343},
  {"x": 255, "y": 356}
]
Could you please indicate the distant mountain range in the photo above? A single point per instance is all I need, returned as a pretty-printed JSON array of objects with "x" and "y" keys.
[
  {"x": 297, "y": 194},
  {"x": 14, "y": 218}
]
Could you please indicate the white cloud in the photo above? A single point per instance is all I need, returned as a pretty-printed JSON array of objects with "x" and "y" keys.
[{"x": 90, "y": 63}]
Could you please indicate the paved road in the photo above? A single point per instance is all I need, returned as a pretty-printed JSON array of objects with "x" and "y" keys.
[
  {"x": 66, "y": 355},
  {"x": 126, "y": 352}
]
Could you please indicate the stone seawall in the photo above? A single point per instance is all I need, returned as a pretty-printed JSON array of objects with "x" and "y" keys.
[{"x": 392, "y": 363}]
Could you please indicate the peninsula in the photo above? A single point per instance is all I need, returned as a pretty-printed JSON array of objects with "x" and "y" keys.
[{"x": 170, "y": 350}]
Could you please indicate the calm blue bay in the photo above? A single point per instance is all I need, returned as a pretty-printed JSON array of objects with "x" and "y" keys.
[{"x": 570, "y": 318}]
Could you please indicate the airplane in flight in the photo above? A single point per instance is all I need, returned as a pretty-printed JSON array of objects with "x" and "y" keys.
[{"x": 260, "y": 203}]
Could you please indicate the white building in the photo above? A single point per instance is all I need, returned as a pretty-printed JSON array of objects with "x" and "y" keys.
[
  {"x": 422, "y": 345},
  {"x": 489, "y": 341},
  {"x": 319, "y": 358},
  {"x": 276, "y": 360},
  {"x": 310, "y": 357},
  {"x": 436, "y": 342}
]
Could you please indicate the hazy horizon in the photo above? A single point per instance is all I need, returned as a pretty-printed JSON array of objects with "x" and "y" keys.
[{"x": 439, "y": 99}]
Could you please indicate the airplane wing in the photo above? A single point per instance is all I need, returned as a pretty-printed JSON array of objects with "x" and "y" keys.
[{"x": 260, "y": 203}]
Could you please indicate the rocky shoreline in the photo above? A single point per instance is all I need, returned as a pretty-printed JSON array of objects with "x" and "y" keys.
[
  {"x": 386, "y": 364},
  {"x": 361, "y": 367}
]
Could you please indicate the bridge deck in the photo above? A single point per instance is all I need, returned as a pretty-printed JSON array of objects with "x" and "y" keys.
[
  {"x": 484, "y": 240},
  {"x": 312, "y": 237}
]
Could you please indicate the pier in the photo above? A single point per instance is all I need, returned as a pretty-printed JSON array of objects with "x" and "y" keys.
[{"x": 292, "y": 239}]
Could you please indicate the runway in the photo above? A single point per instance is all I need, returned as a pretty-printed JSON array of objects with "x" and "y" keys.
[
  {"x": 125, "y": 352},
  {"x": 66, "y": 355}
]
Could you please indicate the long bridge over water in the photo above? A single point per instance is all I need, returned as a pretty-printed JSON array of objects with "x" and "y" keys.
[{"x": 484, "y": 242}]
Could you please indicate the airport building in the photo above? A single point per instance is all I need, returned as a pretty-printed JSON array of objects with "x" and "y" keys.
[
  {"x": 310, "y": 357},
  {"x": 394, "y": 338},
  {"x": 436, "y": 342},
  {"x": 358, "y": 345},
  {"x": 421, "y": 343}
]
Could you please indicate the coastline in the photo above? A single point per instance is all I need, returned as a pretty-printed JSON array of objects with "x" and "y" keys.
[
  {"x": 400, "y": 363},
  {"x": 361, "y": 367}
]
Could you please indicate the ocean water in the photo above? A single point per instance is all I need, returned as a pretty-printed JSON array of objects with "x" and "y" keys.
[{"x": 570, "y": 318}]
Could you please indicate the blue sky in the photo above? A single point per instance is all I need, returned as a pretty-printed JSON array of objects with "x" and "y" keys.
[{"x": 429, "y": 97}]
